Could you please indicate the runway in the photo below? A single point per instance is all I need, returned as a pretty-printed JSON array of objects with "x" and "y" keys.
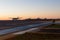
[{"x": 22, "y": 28}]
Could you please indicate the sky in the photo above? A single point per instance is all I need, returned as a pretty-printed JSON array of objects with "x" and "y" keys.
[{"x": 29, "y": 9}]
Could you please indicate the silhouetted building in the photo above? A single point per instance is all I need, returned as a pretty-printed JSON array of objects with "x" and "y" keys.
[{"x": 15, "y": 18}]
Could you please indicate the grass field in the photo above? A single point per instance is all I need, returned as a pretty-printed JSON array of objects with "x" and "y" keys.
[{"x": 54, "y": 26}]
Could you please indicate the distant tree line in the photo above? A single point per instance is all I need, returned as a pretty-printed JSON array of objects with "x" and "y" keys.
[{"x": 39, "y": 19}]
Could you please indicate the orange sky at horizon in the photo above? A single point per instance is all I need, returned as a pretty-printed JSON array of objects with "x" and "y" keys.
[{"x": 25, "y": 15}]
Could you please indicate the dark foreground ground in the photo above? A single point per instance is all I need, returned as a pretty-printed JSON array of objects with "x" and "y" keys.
[
  {"x": 37, "y": 36},
  {"x": 51, "y": 32}
]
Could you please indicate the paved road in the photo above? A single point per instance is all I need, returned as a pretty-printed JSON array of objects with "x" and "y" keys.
[{"x": 6, "y": 31}]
